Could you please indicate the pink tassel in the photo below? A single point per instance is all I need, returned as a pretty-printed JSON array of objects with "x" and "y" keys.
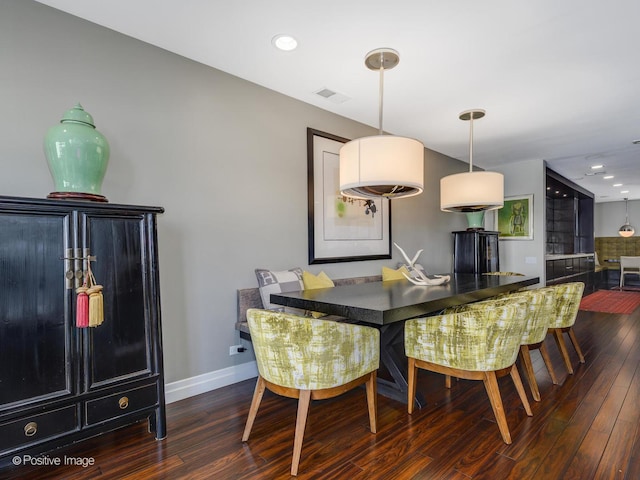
[{"x": 82, "y": 308}]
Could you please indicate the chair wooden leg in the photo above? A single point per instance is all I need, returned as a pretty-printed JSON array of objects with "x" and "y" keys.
[
  {"x": 301, "y": 421},
  {"x": 557, "y": 334},
  {"x": 525, "y": 358},
  {"x": 412, "y": 378},
  {"x": 255, "y": 405},
  {"x": 491, "y": 385},
  {"x": 574, "y": 341},
  {"x": 447, "y": 381},
  {"x": 515, "y": 376},
  {"x": 372, "y": 402},
  {"x": 547, "y": 361}
]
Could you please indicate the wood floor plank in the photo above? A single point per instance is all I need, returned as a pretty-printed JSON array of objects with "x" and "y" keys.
[
  {"x": 538, "y": 447},
  {"x": 633, "y": 465},
  {"x": 569, "y": 441},
  {"x": 615, "y": 459},
  {"x": 587, "y": 457}
]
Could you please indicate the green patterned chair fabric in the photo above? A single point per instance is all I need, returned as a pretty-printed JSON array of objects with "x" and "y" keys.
[
  {"x": 311, "y": 359},
  {"x": 568, "y": 297},
  {"x": 485, "y": 337},
  {"x": 536, "y": 315},
  {"x": 541, "y": 304},
  {"x": 311, "y": 354},
  {"x": 478, "y": 343}
]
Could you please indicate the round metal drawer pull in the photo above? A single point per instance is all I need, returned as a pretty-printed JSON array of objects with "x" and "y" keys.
[
  {"x": 123, "y": 402},
  {"x": 30, "y": 429}
]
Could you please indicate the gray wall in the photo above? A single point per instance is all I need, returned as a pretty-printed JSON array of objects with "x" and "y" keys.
[
  {"x": 225, "y": 157},
  {"x": 609, "y": 217},
  {"x": 526, "y": 256}
]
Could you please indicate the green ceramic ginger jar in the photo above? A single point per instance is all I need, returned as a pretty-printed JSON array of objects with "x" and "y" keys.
[{"x": 78, "y": 155}]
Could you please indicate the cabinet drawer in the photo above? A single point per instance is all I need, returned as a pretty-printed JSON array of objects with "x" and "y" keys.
[
  {"x": 121, "y": 403},
  {"x": 38, "y": 428}
]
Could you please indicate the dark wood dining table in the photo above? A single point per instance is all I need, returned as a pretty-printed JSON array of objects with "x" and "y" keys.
[{"x": 386, "y": 305}]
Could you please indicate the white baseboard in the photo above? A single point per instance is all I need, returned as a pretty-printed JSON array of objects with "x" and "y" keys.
[{"x": 206, "y": 382}]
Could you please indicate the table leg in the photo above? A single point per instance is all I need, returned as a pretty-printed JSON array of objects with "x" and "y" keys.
[{"x": 395, "y": 363}]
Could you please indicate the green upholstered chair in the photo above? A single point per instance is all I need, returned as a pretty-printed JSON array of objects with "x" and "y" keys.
[
  {"x": 307, "y": 358},
  {"x": 540, "y": 307},
  {"x": 568, "y": 297},
  {"x": 541, "y": 304},
  {"x": 477, "y": 344}
]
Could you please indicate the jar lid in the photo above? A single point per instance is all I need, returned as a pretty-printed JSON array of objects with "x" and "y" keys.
[{"x": 77, "y": 114}]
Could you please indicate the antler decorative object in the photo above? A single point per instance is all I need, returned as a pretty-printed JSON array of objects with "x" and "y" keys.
[{"x": 421, "y": 279}]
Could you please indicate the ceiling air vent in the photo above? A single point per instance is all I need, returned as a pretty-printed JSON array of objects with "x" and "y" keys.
[{"x": 332, "y": 96}]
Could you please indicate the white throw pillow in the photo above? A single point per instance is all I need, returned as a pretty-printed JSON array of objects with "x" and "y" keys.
[{"x": 283, "y": 281}]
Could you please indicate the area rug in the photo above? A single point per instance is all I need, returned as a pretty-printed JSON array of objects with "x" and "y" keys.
[
  {"x": 627, "y": 288},
  {"x": 611, "y": 301}
]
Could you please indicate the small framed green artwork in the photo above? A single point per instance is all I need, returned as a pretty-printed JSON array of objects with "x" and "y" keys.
[{"x": 514, "y": 221}]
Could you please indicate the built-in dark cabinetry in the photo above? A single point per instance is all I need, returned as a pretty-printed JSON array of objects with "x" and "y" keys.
[
  {"x": 570, "y": 239},
  {"x": 571, "y": 268},
  {"x": 475, "y": 251},
  {"x": 569, "y": 212},
  {"x": 59, "y": 383}
]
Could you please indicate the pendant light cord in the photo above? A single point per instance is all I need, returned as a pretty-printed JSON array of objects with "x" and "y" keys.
[
  {"x": 626, "y": 211},
  {"x": 381, "y": 93},
  {"x": 380, "y": 103},
  {"x": 471, "y": 143}
]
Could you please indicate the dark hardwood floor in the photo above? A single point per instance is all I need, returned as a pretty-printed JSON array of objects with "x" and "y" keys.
[{"x": 584, "y": 428}]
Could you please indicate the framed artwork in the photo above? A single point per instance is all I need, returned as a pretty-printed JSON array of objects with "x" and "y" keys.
[
  {"x": 514, "y": 221},
  {"x": 341, "y": 229}
]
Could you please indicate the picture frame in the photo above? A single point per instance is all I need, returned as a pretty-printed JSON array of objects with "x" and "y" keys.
[
  {"x": 341, "y": 229},
  {"x": 514, "y": 221}
]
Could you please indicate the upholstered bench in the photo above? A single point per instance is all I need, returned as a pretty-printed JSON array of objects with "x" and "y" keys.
[
  {"x": 250, "y": 298},
  {"x": 612, "y": 248}
]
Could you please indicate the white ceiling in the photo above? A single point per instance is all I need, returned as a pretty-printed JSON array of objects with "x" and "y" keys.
[{"x": 559, "y": 79}]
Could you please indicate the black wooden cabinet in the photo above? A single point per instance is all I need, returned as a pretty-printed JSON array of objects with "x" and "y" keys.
[
  {"x": 59, "y": 383},
  {"x": 475, "y": 251},
  {"x": 572, "y": 268}
]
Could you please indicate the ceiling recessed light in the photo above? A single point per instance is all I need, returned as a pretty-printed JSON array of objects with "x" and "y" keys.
[
  {"x": 608, "y": 177},
  {"x": 284, "y": 42},
  {"x": 596, "y": 167},
  {"x": 617, "y": 184},
  {"x": 624, "y": 191}
]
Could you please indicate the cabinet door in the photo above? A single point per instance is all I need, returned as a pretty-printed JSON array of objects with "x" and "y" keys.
[
  {"x": 488, "y": 246},
  {"x": 120, "y": 348},
  {"x": 36, "y": 327},
  {"x": 465, "y": 252},
  {"x": 475, "y": 252}
]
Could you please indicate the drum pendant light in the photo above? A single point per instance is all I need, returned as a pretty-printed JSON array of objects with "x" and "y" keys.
[
  {"x": 382, "y": 165},
  {"x": 472, "y": 191},
  {"x": 626, "y": 230}
]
